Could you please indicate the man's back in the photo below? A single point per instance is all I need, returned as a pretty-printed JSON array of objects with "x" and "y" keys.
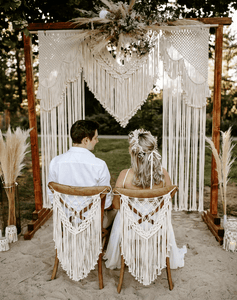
[{"x": 79, "y": 167}]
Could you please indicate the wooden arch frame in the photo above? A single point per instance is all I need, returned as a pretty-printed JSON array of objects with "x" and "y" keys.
[{"x": 40, "y": 215}]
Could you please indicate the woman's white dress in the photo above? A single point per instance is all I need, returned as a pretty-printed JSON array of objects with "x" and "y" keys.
[{"x": 113, "y": 255}]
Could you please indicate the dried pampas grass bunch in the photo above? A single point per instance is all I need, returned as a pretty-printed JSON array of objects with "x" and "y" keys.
[
  {"x": 123, "y": 29},
  {"x": 12, "y": 153},
  {"x": 223, "y": 163}
]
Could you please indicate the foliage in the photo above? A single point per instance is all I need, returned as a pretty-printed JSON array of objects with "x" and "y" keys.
[
  {"x": 228, "y": 87},
  {"x": 16, "y": 14},
  {"x": 205, "y": 9},
  {"x": 148, "y": 117},
  {"x": 122, "y": 28}
]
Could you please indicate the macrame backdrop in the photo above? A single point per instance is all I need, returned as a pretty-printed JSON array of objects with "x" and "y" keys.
[
  {"x": 122, "y": 85},
  {"x": 185, "y": 60}
]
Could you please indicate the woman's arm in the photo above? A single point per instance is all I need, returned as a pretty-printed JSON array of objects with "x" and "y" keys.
[
  {"x": 119, "y": 183},
  {"x": 166, "y": 177}
]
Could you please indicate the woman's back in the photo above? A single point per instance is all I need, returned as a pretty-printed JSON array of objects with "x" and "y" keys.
[{"x": 126, "y": 176}]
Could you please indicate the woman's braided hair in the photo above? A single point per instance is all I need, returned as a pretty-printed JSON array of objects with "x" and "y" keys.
[{"x": 145, "y": 158}]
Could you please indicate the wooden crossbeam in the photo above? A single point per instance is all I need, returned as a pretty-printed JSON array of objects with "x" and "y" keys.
[
  {"x": 72, "y": 25},
  {"x": 34, "y": 27}
]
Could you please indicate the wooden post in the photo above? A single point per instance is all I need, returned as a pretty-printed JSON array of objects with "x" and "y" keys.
[
  {"x": 216, "y": 117},
  {"x": 33, "y": 123}
]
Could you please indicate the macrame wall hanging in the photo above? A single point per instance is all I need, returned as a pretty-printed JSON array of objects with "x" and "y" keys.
[
  {"x": 185, "y": 58},
  {"x": 122, "y": 85}
]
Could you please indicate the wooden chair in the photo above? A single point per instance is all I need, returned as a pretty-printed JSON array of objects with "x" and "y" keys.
[
  {"x": 78, "y": 231},
  {"x": 145, "y": 242}
]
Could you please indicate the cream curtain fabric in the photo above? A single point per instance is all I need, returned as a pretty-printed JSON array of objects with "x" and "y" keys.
[{"x": 122, "y": 85}]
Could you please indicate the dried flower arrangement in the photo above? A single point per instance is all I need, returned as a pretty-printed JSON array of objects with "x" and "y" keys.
[
  {"x": 12, "y": 153},
  {"x": 122, "y": 29},
  {"x": 223, "y": 164}
]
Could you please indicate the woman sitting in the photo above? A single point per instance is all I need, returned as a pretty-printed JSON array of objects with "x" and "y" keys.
[{"x": 146, "y": 172}]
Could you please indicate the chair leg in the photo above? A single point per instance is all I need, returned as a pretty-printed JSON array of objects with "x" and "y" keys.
[
  {"x": 121, "y": 275},
  {"x": 168, "y": 271},
  {"x": 55, "y": 268},
  {"x": 100, "y": 275}
]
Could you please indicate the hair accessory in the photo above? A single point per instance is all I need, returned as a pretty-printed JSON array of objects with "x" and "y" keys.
[
  {"x": 150, "y": 158},
  {"x": 134, "y": 142}
]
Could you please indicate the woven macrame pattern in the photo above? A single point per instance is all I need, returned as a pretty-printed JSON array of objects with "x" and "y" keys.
[
  {"x": 77, "y": 234},
  {"x": 192, "y": 45},
  {"x": 184, "y": 113},
  {"x": 122, "y": 86},
  {"x": 230, "y": 236},
  {"x": 145, "y": 238}
]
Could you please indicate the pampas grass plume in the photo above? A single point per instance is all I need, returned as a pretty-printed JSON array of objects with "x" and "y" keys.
[
  {"x": 223, "y": 163},
  {"x": 12, "y": 153}
]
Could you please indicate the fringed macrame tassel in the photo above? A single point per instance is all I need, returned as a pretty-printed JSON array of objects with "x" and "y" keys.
[
  {"x": 145, "y": 246},
  {"x": 55, "y": 128},
  {"x": 78, "y": 245}
]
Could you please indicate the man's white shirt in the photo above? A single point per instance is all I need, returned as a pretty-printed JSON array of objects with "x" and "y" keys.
[{"x": 79, "y": 167}]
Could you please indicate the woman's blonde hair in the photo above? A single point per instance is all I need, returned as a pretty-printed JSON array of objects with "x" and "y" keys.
[{"x": 144, "y": 154}]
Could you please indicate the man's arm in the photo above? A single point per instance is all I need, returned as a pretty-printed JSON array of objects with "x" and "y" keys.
[
  {"x": 105, "y": 180},
  {"x": 51, "y": 177}
]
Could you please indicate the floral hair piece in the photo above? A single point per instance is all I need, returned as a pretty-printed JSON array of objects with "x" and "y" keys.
[{"x": 134, "y": 141}]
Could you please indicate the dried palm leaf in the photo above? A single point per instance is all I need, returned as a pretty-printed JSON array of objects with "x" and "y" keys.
[
  {"x": 109, "y": 4},
  {"x": 132, "y": 2},
  {"x": 122, "y": 10}
]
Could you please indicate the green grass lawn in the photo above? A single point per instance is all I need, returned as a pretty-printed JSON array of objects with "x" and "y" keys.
[{"x": 115, "y": 153}]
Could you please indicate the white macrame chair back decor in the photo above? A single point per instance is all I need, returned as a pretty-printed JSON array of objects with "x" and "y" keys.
[
  {"x": 122, "y": 85},
  {"x": 11, "y": 233},
  {"x": 77, "y": 230},
  {"x": 145, "y": 234}
]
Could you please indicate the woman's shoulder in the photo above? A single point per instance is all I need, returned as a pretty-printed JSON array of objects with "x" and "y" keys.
[
  {"x": 121, "y": 177},
  {"x": 124, "y": 172},
  {"x": 166, "y": 177}
]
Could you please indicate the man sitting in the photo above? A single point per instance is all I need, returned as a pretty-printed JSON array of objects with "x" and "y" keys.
[{"x": 79, "y": 167}]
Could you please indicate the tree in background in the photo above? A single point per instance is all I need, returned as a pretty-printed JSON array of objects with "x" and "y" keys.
[
  {"x": 228, "y": 86},
  {"x": 16, "y": 14}
]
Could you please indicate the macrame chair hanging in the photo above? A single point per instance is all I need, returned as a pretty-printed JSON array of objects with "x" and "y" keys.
[{"x": 122, "y": 86}]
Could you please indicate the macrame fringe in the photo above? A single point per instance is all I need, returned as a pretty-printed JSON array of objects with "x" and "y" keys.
[
  {"x": 78, "y": 245},
  {"x": 183, "y": 141},
  {"x": 122, "y": 86},
  {"x": 145, "y": 246}
]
